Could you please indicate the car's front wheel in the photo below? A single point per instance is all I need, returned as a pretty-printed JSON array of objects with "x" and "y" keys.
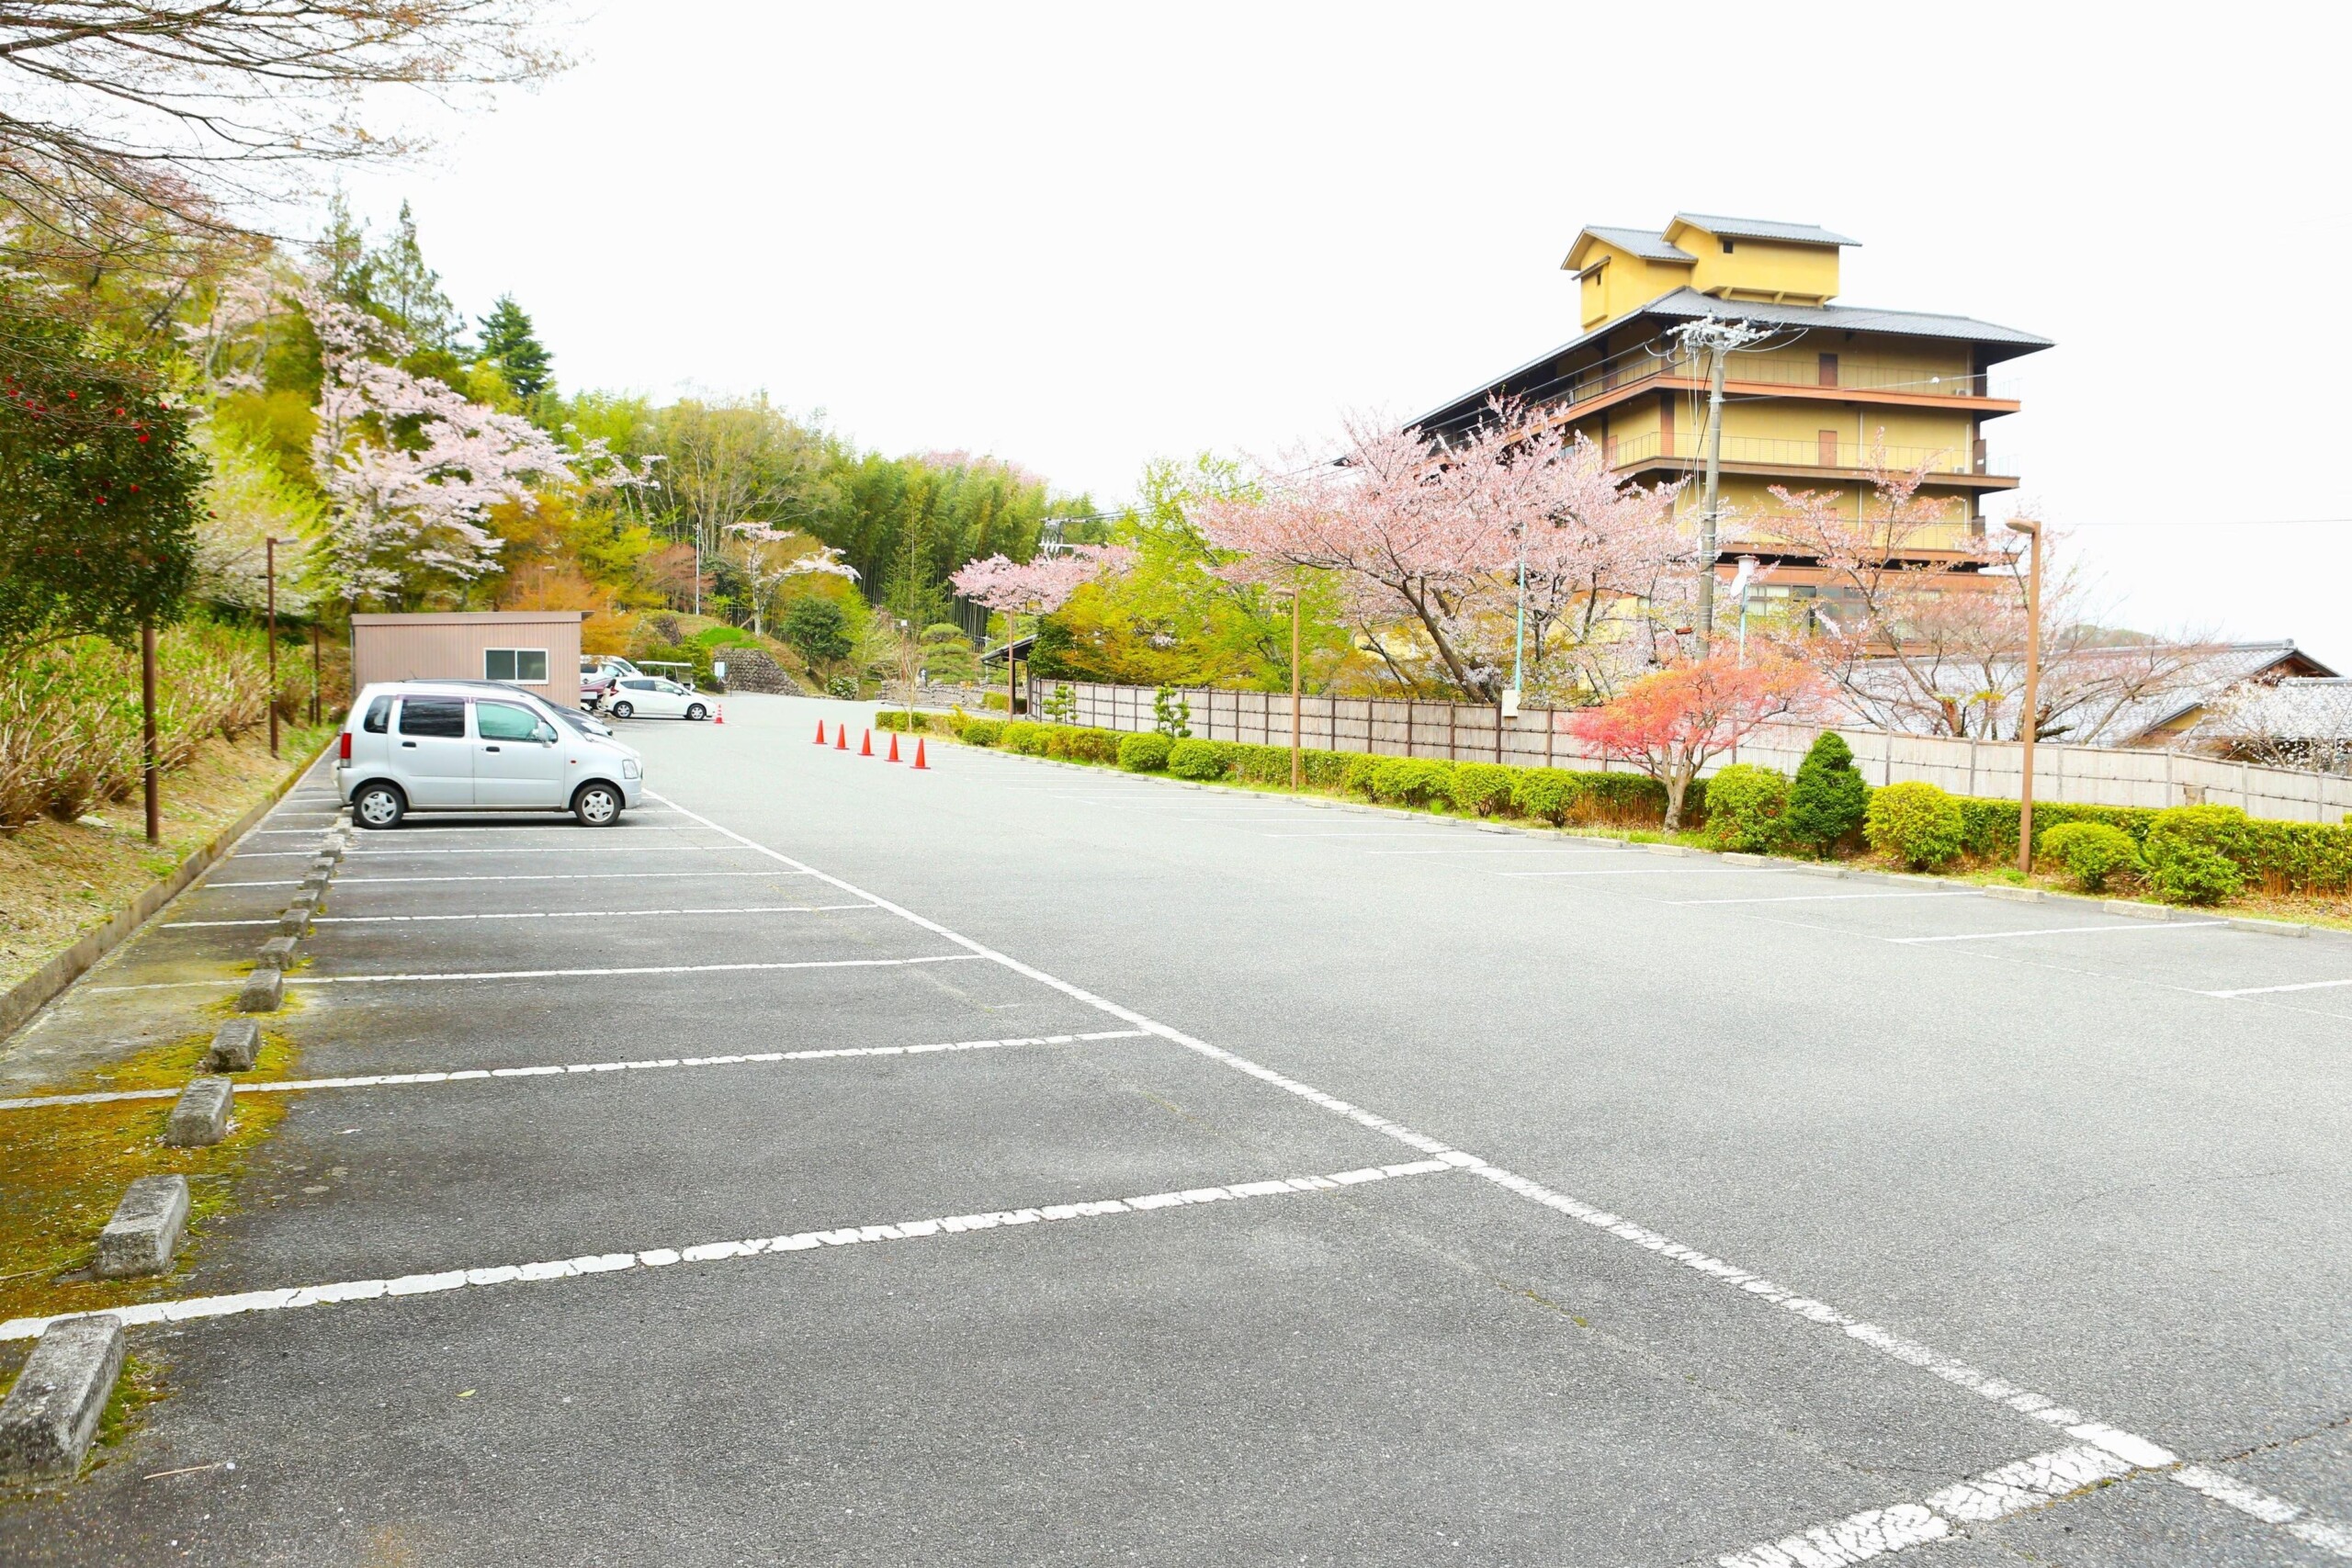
[
  {"x": 596, "y": 805},
  {"x": 697, "y": 712},
  {"x": 377, "y": 805},
  {"x": 622, "y": 710}
]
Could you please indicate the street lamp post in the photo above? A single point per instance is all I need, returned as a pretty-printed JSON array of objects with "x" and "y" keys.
[
  {"x": 2029, "y": 715},
  {"x": 1297, "y": 758},
  {"x": 269, "y": 573}
]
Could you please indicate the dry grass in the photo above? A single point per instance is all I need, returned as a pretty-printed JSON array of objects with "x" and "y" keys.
[{"x": 59, "y": 881}]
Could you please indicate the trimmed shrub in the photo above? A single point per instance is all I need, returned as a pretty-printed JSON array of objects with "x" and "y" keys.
[
  {"x": 2190, "y": 874},
  {"x": 1412, "y": 780},
  {"x": 2199, "y": 854},
  {"x": 1267, "y": 764},
  {"x": 1828, "y": 798},
  {"x": 1328, "y": 770},
  {"x": 981, "y": 731},
  {"x": 1196, "y": 760},
  {"x": 895, "y": 718},
  {"x": 1144, "y": 753},
  {"x": 1356, "y": 778},
  {"x": 1748, "y": 808},
  {"x": 1077, "y": 745},
  {"x": 1917, "y": 823},
  {"x": 2091, "y": 851},
  {"x": 1483, "y": 788},
  {"x": 1549, "y": 794},
  {"x": 1029, "y": 740}
]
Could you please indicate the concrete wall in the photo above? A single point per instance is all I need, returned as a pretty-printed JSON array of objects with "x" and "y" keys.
[
  {"x": 449, "y": 647},
  {"x": 2092, "y": 775}
]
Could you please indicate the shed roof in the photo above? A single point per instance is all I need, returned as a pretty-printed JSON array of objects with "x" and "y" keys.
[
  {"x": 1763, "y": 229},
  {"x": 1644, "y": 242},
  {"x": 469, "y": 618}
]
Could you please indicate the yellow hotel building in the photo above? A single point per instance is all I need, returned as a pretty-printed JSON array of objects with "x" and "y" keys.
[{"x": 1804, "y": 408}]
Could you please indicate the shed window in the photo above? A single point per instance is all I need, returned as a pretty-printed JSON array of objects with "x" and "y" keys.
[
  {"x": 524, "y": 665},
  {"x": 1727, "y": 247}
]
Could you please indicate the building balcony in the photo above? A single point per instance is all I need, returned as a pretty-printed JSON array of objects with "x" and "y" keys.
[
  {"x": 1829, "y": 456},
  {"x": 1827, "y": 377}
]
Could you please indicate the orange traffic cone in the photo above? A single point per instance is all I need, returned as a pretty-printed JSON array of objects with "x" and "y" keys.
[
  {"x": 865, "y": 744},
  {"x": 894, "y": 745},
  {"x": 821, "y": 732},
  {"x": 841, "y": 738},
  {"x": 918, "y": 762},
  {"x": 718, "y": 716}
]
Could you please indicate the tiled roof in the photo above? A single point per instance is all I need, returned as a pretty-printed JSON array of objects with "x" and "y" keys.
[
  {"x": 2298, "y": 709},
  {"x": 1643, "y": 242},
  {"x": 1763, "y": 229}
]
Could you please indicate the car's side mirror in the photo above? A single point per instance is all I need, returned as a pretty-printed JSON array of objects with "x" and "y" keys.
[{"x": 546, "y": 734}]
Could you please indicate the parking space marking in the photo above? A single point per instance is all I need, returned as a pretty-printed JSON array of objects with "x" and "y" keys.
[
  {"x": 188, "y": 1309},
  {"x": 559, "y": 973},
  {"x": 1821, "y": 897},
  {"x": 2296, "y": 1520},
  {"x": 585, "y": 846},
  {"x": 518, "y": 877},
  {"x": 529, "y": 915},
  {"x": 2274, "y": 991},
  {"x": 2077, "y": 930},
  {"x": 1639, "y": 871},
  {"x": 470, "y": 1075},
  {"x": 2128, "y": 1446}
]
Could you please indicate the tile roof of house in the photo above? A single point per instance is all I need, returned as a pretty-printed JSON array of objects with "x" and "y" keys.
[
  {"x": 1644, "y": 242},
  {"x": 1763, "y": 229},
  {"x": 2297, "y": 708}
]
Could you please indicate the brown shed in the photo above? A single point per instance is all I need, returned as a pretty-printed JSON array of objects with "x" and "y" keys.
[{"x": 536, "y": 650}]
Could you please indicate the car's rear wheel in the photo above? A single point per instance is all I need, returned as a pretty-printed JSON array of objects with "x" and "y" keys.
[
  {"x": 697, "y": 712},
  {"x": 622, "y": 710},
  {"x": 596, "y": 805},
  {"x": 377, "y": 805}
]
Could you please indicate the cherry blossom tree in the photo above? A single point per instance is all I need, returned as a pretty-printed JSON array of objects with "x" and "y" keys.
[
  {"x": 1435, "y": 536},
  {"x": 1673, "y": 723},
  {"x": 411, "y": 468},
  {"x": 1039, "y": 586},
  {"x": 767, "y": 556}
]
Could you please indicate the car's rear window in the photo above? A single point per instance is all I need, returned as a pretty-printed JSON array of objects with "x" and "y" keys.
[
  {"x": 380, "y": 716},
  {"x": 444, "y": 717}
]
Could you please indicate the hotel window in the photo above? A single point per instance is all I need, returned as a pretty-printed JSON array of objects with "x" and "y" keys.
[{"x": 522, "y": 666}]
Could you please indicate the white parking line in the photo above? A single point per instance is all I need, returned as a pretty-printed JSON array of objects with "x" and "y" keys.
[
  {"x": 1635, "y": 871},
  {"x": 528, "y": 915},
  {"x": 1392, "y": 833},
  {"x": 712, "y": 1252},
  {"x": 2072, "y": 930},
  {"x": 468, "y": 1074},
  {"x": 1480, "y": 849},
  {"x": 2296, "y": 1520},
  {"x": 2130, "y": 1446},
  {"x": 2274, "y": 991},
  {"x": 559, "y": 973},
  {"x": 519, "y": 876},
  {"x": 593, "y": 846},
  {"x": 1819, "y": 897}
]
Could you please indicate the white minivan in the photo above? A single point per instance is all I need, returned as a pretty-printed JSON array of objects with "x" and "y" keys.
[{"x": 458, "y": 746}]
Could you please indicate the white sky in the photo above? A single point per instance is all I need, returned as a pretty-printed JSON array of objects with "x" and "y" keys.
[{"x": 1080, "y": 236}]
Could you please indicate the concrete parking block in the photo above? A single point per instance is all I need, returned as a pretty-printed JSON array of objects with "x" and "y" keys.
[
  {"x": 1671, "y": 850},
  {"x": 263, "y": 990},
  {"x": 2017, "y": 894},
  {"x": 200, "y": 1116},
  {"x": 1821, "y": 870},
  {"x": 144, "y": 1234},
  {"x": 234, "y": 1045},
  {"x": 295, "y": 921},
  {"x": 2272, "y": 928},
  {"x": 278, "y": 953},
  {"x": 2136, "y": 909},
  {"x": 51, "y": 1413}
]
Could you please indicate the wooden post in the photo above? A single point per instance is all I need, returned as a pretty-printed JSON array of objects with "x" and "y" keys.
[
  {"x": 2030, "y": 717},
  {"x": 147, "y": 732},
  {"x": 316, "y": 678},
  {"x": 1297, "y": 762},
  {"x": 269, "y": 576}
]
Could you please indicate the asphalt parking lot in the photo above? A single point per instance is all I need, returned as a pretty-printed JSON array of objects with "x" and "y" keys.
[{"x": 1008, "y": 1162}]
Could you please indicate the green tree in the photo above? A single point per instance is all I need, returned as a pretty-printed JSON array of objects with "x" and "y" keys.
[
  {"x": 1828, "y": 798},
  {"x": 99, "y": 486},
  {"x": 948, "y": 656},
  {"x": 818, "y": 630},
  {"x": 508, "y": 343}
]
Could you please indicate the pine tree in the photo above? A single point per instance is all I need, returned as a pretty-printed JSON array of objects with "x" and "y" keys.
[
  {"x": 1829, "y": 798},
  {"x": 509, "y": 341},
  {"x": 410, "y": 292}
]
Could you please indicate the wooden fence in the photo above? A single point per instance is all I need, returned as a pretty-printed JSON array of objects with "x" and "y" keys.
[{"x": 2091, "y": 775}]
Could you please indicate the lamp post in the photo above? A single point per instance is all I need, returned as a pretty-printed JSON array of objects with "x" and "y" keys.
[
  {"x": 1297, "y": 758},
  {"x": 2029, "y": 715}
]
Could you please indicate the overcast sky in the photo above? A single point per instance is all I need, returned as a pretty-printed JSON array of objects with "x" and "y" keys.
[{"x": 1082, "y": 236}]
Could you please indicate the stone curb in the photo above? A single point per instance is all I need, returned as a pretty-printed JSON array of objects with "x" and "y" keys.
[
  {"x": 234, "y": 1045},
  {"x": 200, "y": 1116},
  {"x": 51, "y": 1413},
  {"x": 37, "y": 990},
  {"x": 144, "y": 1234},
  {"x": 278, "y": 953}
]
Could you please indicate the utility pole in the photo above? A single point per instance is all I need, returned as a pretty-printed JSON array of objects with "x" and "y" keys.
[
  {"x": 2030, "y": 716},
  {"x": 147, "y": 732},
  {"x": 314, "y": 666},
  {"x": 1716, "y": 338}
]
